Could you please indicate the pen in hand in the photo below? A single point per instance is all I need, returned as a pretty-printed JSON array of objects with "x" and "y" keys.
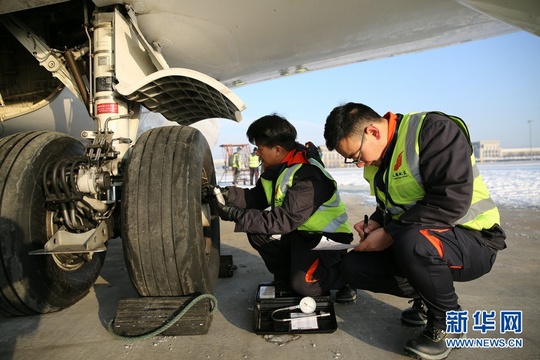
[
  {"x": 364, "y": 228},
  {"x": 366, "y": 220}
]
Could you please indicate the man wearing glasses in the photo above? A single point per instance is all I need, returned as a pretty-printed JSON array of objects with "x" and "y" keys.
[{"x": 434, "y": 223}]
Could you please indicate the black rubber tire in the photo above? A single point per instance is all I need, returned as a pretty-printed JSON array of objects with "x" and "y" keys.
[
  {"x": 167, "y": 250},
  {"x": 34, "y": 284}
]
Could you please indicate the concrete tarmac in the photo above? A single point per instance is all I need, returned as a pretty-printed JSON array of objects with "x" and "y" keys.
[{"x": 368, "y": 329}]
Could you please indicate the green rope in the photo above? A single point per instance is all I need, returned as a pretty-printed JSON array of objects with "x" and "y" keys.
[{"x": 164, "y": 327}]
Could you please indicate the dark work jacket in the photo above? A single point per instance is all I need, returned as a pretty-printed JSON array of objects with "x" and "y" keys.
[
  {"x": 448, "y": 181},
  {"x": 310, "y": 189}
]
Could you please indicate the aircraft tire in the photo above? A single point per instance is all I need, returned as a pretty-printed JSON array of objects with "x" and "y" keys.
[
  {"x": 35, "y": 284},
  {"x": 167, "y": 250}
]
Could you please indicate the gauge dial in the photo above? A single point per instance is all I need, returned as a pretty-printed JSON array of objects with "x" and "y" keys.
[{"x": 308, "y": 305}]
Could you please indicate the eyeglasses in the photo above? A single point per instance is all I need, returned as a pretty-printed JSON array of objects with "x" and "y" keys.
[{"x": 357, "y": 160}]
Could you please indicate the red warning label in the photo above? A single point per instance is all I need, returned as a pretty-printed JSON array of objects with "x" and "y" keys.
[{"x": 107, "y": 108}]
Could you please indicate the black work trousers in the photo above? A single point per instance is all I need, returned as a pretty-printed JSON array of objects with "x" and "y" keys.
[
  {"x": 422, "y": 263},
  {"x": 292, "y": 262},
  {"x": 253, "y": 175}
]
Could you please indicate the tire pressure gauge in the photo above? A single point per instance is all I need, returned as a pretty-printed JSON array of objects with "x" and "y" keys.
[{"x": 307, "y": 305}]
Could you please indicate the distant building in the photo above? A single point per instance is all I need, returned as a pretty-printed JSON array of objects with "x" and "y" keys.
[
  {"x": 490, "y": 150},
  {"x": 520, "y": 153},
  {"x": 332, "y": 159},
  {"x": 487, "y": 149}
]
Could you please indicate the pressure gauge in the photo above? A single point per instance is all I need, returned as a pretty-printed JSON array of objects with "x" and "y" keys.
[{"x": 307, "y": 305}]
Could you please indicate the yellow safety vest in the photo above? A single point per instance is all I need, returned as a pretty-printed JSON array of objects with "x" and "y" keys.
[
  {"x": 405, "y": 186},
  {"x": 253, "y": 161},
  {"x": 330, "y": 217},
  {"x": 236, "y": 160}
]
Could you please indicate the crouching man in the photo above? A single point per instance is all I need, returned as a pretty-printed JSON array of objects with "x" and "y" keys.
[{"x": 294, "y": 204}]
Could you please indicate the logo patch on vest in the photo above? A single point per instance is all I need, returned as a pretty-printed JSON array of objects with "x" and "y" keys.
[
  {"x": 399, "y": 174},
  {"x": 399, "y": 161}
]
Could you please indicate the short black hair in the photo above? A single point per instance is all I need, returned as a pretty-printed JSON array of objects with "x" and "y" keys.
[
  {"x": 347, "y": 120},
  {"x": 272, "y": 130}
]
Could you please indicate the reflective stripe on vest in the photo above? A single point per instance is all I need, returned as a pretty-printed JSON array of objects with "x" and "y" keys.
[
  {"x": 405, "y": 185},
  {"x": 330, "y": 217}
]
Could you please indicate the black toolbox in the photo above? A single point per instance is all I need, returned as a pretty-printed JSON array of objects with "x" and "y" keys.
[{"x": 266, "y": 320}]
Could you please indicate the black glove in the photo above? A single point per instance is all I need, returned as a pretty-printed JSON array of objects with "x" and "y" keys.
[
  {"x": 208, "y": 193},
  {"x": 229, "y": 213},
  {"x": 312, "y": 152}
]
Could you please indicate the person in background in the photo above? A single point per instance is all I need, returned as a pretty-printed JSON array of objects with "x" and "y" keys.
[
  {"x": 294, "y": 204},
  {"x": 434, "y": 223},
  {"x": 254, "y": 164},
  {"x": 236, "y": 164}
]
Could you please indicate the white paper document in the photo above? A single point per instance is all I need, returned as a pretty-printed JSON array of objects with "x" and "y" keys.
[
  {"x": 327, "y": 244},
  {"x": 301, "y": 321}
]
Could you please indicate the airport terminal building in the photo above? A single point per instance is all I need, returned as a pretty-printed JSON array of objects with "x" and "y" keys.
[{"x": 490, "y": 150}]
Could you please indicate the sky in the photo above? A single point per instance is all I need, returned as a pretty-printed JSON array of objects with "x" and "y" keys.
[{"x": 492, "y": 84}]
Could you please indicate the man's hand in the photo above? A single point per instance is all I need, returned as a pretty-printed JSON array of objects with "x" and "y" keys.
[
  {"x": 377, "y": 240},
  {"x": 208, "y": 192},
  {"x": 229, "y": 213},
  {"x": 364, "y": 228},
  {"x": 224, "y": 192}
]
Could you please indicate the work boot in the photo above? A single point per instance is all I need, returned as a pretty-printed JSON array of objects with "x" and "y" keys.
[
  {"x": 416, "y": 315},
  {"x": 346, "y": 294},
  {"x": 431, "y": 344}
]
